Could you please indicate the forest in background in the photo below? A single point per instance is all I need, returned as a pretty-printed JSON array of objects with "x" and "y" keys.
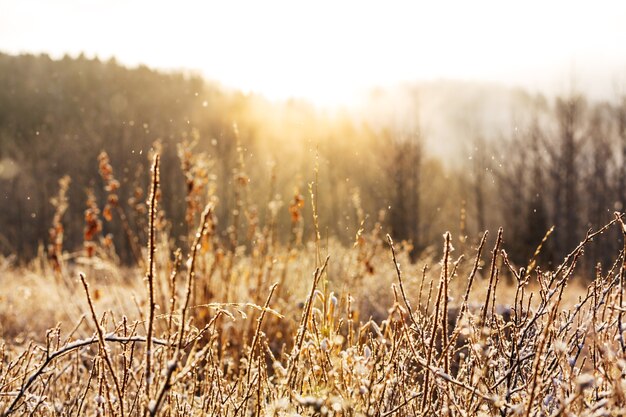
[{"x": 420, "y": 160}]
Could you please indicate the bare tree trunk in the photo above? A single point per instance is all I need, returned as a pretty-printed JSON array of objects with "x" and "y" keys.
[
  {"x": 568, "y": 113},
  {"x": 406, "y": 173},
  {"x": 479, "y": 166}
]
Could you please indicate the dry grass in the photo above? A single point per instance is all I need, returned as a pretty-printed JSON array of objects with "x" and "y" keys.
[{"x": 244, "y": 325}]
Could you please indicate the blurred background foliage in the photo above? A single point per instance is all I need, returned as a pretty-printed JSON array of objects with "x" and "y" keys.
[{"x": 419, "y": 158}]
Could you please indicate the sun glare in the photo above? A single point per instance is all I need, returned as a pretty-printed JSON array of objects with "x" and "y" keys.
[{"x": 329, "y": 52}]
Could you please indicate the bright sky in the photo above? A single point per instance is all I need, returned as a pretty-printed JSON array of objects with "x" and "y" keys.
[{"x": 327, "y": 50}]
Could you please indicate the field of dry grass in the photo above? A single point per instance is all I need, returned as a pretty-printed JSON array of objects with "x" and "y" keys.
[{"x": 305, "y": 328}]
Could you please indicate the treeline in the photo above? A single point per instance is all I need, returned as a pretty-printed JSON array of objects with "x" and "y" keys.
[
  {"x": 564, "y": 166},
  {"x": 560, "y": 164},
  {"x": 57, "y": 116}
]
